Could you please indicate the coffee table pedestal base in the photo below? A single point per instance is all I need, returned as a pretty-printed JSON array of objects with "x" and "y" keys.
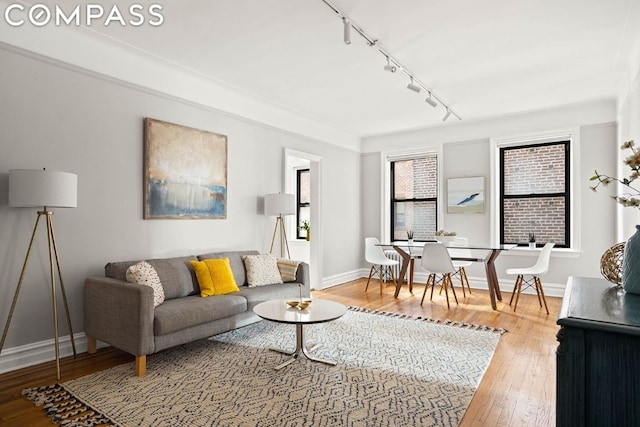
[{"x": 300, "y": 349}]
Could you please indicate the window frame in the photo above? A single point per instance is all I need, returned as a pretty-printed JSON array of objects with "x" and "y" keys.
[
  {"x": 393, "y": 200},
  {"x": 566, "y": 194},
  {"x": 299, "y": 204},
  {"x": 573, "y": 135}
]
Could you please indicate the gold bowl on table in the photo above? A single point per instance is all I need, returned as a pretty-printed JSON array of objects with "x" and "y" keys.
[
  {"x": 302, "y": 305},
  {"x": 293, "y": 303}
]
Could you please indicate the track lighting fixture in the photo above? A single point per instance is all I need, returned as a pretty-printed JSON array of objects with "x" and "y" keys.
[
  {"x": 389, "y": 67},
  {"x": 412, "y": 86},
  {"x": 392, "y": 63},
  {"x": 347, "y": 30},
  {"x": 431, "y": 101}
]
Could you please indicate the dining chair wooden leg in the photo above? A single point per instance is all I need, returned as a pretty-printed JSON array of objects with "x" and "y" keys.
[
  {"x": 433, "y": 285},
  {"x": 518, "y": 292},
  {"x": 446, "y": 291},
  {"x": 452, "y": 288},
  {"x": 539, "y": 285},
  {"x": 381, "y": 270},
  {"x": 515, "y": 288},
  {"x": 535, "y": 285},
  {"x": 466, "y": 280},
  {"x": 426, "y": 288},
  {"x": 369, "y": 279}
]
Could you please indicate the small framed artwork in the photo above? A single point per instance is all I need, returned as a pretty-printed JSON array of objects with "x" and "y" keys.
[
  {"x": 185, "y": 172},
  {"x": 465, "y": 195}
]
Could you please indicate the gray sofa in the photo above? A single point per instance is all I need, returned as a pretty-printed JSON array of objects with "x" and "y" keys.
[{"x": 122, "y": 314}]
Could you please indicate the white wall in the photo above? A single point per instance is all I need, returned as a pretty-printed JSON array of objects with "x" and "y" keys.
[
  {"x": 466, "y": 152},
  {"x": 629, "y": 129},
  {"x": 61, "y": 117}
]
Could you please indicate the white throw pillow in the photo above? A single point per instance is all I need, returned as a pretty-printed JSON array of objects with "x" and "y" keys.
[
  {"x": 143, "y": 273},
  {"x": 262, "y": 270}
]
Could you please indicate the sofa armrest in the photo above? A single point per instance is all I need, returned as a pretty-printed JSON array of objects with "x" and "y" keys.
[
  {"x": 302, "y": 276},
  {"x": 119, "y": 313}
]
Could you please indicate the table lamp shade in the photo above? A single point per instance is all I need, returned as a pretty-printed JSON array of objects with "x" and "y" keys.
[
  {"x": 39, "y": 188},
  {"x": 279, "y": 203}
]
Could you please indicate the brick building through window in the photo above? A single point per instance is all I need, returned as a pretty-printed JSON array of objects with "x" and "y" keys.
[
  {"x": 534, "y": 193},
  {"x": 414, "y": 198}
]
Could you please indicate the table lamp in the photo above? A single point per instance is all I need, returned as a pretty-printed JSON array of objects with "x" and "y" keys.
[
  {"x": 280, "y": 204},
  {"x": 34, "y": 188}
]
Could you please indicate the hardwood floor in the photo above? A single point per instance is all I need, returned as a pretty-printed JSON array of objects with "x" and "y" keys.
[{"x": 518, "y": 388}]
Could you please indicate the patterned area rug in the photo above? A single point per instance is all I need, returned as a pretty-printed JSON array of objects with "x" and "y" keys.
[{"x": 393, "y": 370}]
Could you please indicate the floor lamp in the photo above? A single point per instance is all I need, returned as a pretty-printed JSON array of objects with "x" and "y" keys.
[
  {"x": 47, "y": 189},
  {"x": 280, "y": 204}
]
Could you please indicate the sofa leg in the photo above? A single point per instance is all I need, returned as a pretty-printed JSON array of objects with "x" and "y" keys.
[
  {"x": 91, "y": 345},
  {"x": 141, "y": 366}
]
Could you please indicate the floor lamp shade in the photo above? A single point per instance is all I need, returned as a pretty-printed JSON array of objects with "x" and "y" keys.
[
  {"x": 38, "y": 188},
  {"x": 279, "y": 204}
]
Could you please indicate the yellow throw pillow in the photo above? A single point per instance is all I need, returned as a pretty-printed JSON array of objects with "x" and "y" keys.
[
  {"x": 205, "y": 282},
  {"x": 214, "y": 277},
  {"x": 222, "y": 275}
]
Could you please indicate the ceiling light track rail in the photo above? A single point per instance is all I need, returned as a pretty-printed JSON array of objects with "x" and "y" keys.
[{"x": 392, "y": 64}]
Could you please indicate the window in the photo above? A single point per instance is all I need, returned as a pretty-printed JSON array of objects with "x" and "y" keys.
[
  {"x": 414, "y": 198},
  {"x": 303, "y": 200},
  {"x": 535, "y": 193}
]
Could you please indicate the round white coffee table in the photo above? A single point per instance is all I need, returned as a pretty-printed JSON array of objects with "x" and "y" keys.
[{"x": 318, "y": 312}]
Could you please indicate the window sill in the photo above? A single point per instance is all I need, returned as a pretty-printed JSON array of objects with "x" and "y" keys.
[{"x": 555, "y": 253}]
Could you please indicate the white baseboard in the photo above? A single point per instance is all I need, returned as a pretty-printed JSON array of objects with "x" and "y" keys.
[
  {"x": 15, "y": 358},
  {"x": 341, "y": 278}
]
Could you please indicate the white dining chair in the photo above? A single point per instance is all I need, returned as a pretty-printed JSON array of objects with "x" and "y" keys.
[
  {"x": 437, "y": 261},
  {"x": 380, "y": 264},
  {"x": 533, "y": 277},
  {"x": 458, "y": 248}
]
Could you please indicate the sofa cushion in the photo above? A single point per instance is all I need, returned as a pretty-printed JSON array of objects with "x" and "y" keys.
[
  {"x": 235, "y": 261},
  {"x": 214, "y": 277},
  {"x": 262, "y": 270},
  {"x": 180, "y": 313},
  {"x": 176, "y": 275},
  {"x": 143, "y": 273}
]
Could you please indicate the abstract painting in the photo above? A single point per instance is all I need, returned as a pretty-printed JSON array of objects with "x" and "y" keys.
[
  {"x": 185, "y": 172},
  {"x": 465, "y": 195}
]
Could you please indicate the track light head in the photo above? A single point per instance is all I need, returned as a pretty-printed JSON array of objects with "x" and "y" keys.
[
  {"x": 389, "y": 67},
  {"x": 446, "y": 116},
  {"x": 431, "y": 101},
  {"x": 413, "y": 87},
  {"x": 347, "y": 30}
]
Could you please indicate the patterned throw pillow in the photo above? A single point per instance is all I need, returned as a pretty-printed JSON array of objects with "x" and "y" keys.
[
  {"x": 262, "y": 270},
  {"x": 214, "y": 277},
  {"x": 143, "y": 273},
  {"x": 288, "y": 269}
]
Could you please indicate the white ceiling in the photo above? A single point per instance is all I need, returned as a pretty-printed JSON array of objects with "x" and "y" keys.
[{"x": 481, "y": 57}]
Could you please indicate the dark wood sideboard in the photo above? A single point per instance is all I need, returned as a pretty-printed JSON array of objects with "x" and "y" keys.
[{"x": 598, "y": 358}]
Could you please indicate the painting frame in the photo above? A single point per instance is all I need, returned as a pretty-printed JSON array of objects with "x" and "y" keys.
[
  {"x": 185, "y": 172},
  {"x": 466, "y": 195}
]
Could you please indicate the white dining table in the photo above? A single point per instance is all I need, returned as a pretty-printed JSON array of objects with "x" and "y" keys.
[{"x": 409, "y": 252}]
